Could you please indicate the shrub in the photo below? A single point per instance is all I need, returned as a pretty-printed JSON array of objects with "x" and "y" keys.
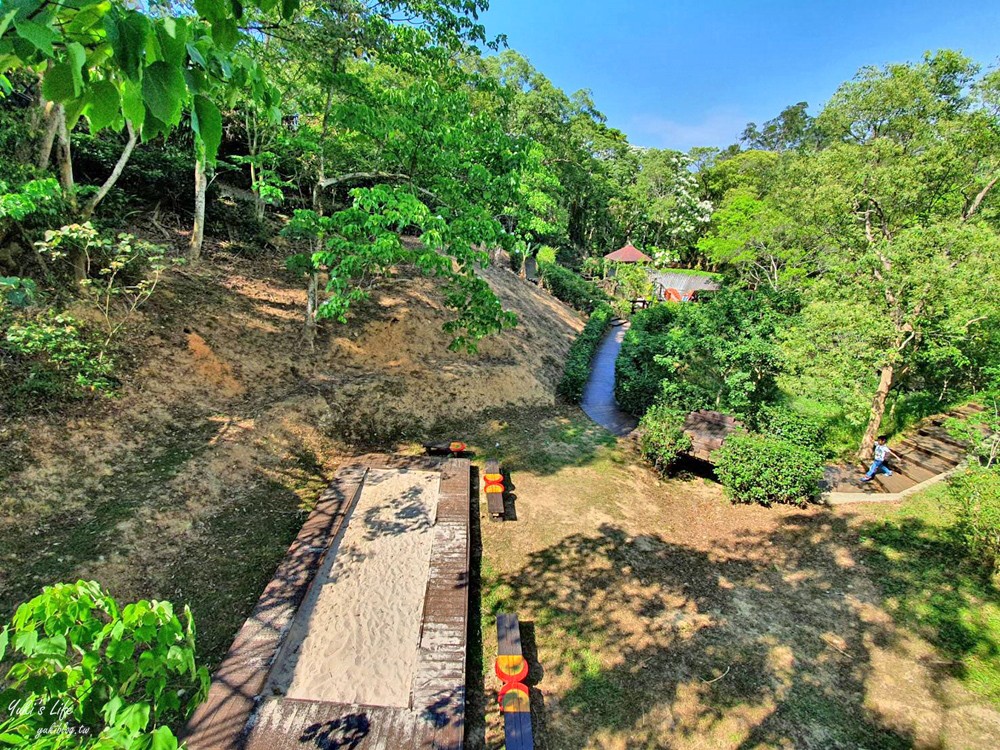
[
  {"x": 61, "y": 353},
  {"x": 637, "y": 374},
  {"x": 662, "y": 436},
  {"x": 582, "y": 352},
  {"x": 800, "y": 429},
  {"x": 764, "y": 469},
  {"x": 88, "y": 672},
  {"x": 17, "y": 292},
  {"x": 975, "y": 493},
  {"x": 572, "y": 289},
  {"x": 546, "y": 254}
]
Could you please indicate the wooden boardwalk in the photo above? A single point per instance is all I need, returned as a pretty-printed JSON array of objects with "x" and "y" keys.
[
  {"x": 237, "y": 716},
  {"x": 927, "y": 451},
  {"x": 708, "y": 430}
]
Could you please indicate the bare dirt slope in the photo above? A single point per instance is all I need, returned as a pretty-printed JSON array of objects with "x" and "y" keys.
[{"x": 191, "y": 482}]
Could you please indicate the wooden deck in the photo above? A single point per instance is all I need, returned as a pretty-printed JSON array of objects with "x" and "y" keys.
[
  {"x": 237, "y": 716},
  {"x": 708, "y": 430}
]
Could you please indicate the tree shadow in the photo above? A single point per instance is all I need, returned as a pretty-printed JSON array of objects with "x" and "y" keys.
[{"x": 760, "y": 641}]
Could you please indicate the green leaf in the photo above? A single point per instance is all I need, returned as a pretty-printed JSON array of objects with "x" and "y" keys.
[
  {"x": 206, "y": 121},
  {"x": 195, "y": 54},
  {"x": 4, "y": 640},
  {"x": 127, "y": 34},
  {"x": 76, "y": 56},
  {"x": 60, "y": 83},
  {"x": 210, "y": 9},
  {"x": 225, "y": 34},
  {"x": 74, "y": 109},
  {"x": 52, "y": 646},
  {"x": 135, "y": 717},
  {"x": 288, "y": 8},
  {"x": 163, "y": 90},
  {"x": 40, "y": 36},
  {"x": 25, "y": 641},
  {"x": 133, "y": 106},
  {"x": 5, "y": 21},
  {"x": 105, "y": 106},
  {"x": 173, "y": 36},
  {"x": 163, "y": 739},
  {"x": 111, "y": 709}
]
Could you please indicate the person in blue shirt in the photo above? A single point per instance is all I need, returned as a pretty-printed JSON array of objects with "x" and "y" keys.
[{"x": 882, "y": 452}]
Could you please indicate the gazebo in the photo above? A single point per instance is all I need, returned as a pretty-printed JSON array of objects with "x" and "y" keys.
[{"x": 628, "y": 254}]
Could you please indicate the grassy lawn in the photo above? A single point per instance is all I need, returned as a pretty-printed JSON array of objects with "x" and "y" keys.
[
  {"x": 655, "y": 614},
  {"x": 930, "y": 587}
]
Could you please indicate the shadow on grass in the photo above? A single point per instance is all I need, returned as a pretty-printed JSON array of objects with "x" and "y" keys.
[
  {"x": 923, "y": 570},
  {"x": 661, "y": 643}
]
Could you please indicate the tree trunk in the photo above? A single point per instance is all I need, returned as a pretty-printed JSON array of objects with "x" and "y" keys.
[
  {"x": 109, "y": 183},
  {"x": 36, "y": 123},
  {"x": 878, "y": 410},
  {"x": 48, "y": 135},
  {"x": 200, "y": 189},
  {"x": 312, "y": 303},
  {"x": 81, "y": 266},
  {"x": 65, "y": 157}
]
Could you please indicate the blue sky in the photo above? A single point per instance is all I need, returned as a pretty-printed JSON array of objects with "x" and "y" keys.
[{"x": 676, "y": 74}]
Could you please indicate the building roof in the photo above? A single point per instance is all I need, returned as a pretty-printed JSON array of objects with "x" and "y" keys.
[
  {"x": 628, "y": 254},
  {"x": 683, "y": 283}
]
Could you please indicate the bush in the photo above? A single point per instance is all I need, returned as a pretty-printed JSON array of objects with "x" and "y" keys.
[
  {"x": 662, "y": 436},
  {"x": 763, "y": 469},
  {"x": 546, "y": 254},
  {"x": 62, "y": 357},
  {"x": 782, "y": 422},
  {"x": 572, "y": 289},
  {"x": 88, "y": 672},
  {"x": 582, "y": 352},
  {"x": 975, "y": 493},
  {"x": 637, "y": 374}
]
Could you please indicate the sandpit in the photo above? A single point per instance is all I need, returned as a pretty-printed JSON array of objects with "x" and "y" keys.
[{"x": 356, "y": 635}]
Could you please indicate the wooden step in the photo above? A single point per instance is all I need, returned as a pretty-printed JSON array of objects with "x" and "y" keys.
[
  {"x": 896, "y": 483},
  {"x": 942, "y": 436},
  {"x": 914, "y": 471},
  {"x": 925, "y": 457},
  {"x": 934, "y": 448}
]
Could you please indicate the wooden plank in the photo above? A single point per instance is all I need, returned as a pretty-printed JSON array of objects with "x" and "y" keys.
[
  {"x": 508, "y": 635},
  {"x": 494, "y": 498},
  {"x": 517, "y": 731}
]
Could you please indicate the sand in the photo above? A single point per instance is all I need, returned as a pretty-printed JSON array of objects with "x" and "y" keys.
[{"x": 355, "y": 638}]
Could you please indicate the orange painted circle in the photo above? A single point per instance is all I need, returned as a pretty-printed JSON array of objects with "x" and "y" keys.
[
  {"x": 456, "y": 447},
  {"x": 511, "y": 668}
]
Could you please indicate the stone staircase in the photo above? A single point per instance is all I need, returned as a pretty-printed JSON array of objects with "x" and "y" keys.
[{"x": 926, "y": 452}]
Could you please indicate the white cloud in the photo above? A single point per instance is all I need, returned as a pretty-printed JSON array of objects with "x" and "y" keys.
[{"x": 719, "y": 127}]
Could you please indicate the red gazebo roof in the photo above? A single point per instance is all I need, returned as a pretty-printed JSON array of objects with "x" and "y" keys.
[{"x": 628, "y": 254}]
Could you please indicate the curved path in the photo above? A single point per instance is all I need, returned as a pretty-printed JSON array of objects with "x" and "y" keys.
[{"x": 599, "y": 393}]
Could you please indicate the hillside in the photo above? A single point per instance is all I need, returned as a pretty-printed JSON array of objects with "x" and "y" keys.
[{"x": 191, "y": 482}]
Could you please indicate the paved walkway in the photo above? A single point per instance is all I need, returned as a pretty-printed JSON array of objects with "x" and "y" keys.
[{"x": 599, "y": 394}]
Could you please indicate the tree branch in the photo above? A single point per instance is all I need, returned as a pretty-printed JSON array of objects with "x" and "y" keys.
[
  {"x": 389, "y": 176},
  {"x": 979, "y": 199},
  {"x": 109, "y": 183}
]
